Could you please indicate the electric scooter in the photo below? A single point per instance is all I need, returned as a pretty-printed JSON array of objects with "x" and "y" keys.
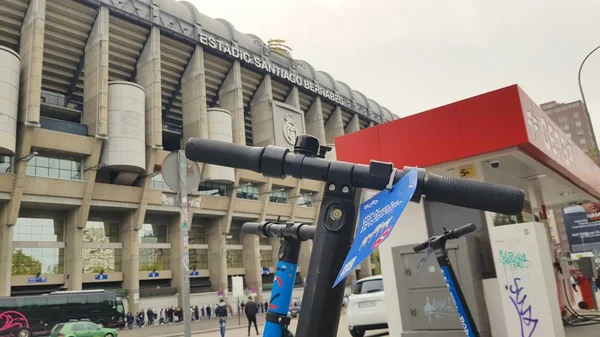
[
  {"x": 336, "y": 223},
  {"x": 437, "y": 245}
]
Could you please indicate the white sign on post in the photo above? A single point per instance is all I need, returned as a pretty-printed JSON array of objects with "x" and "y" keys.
[
  {"x": 237, "y": 283},
  {"x": 526, "y": 280}
]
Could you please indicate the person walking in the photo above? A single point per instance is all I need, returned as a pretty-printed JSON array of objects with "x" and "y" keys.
[
  {"x": 130, "y": 320},
  {"x": 251, "y": 310},
  {"x": 221, "y": 314}
]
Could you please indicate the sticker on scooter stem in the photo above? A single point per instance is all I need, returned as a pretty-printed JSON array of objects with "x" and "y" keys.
[
  {"x": 378, "y": 217},
  {"x": 279, "y": 281}
]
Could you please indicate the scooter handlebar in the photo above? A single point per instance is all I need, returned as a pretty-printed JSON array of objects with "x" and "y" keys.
[{"x": 278, "y": 162}]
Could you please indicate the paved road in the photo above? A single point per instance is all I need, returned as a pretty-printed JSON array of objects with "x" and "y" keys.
[
  {"x": 210, "y": 329},
  {"x": 177, "y": 328}
]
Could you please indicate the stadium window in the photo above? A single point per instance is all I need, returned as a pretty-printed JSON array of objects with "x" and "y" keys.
[
  {"x": 582, "y": 141},
  {"x": 576, "y": 115},
  {"x": 279, "y": 196},
  {"x": 158, "y": 183},
  {"x": 305, "y": 199},
  {"x": 562, "y": 119},
  {"x": 58, "y": 168},
  {"x": 566, "y": 127},
  {"x": 212, "y": 189},
  {"x": 247, "y": 191},
  {"x": 578, "y": 123}
]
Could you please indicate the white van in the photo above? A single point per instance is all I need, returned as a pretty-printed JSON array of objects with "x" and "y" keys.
[{"x": 366, "y": 307}]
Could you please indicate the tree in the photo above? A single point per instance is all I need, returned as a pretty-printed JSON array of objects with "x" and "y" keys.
[
  {"x": 23, "y": 264},
  {"x": 503, "y": 219},
  {"x": 593, "y": 154},
  {"x": 54, "y": 269},
  {"x": 376, "y": 261}
]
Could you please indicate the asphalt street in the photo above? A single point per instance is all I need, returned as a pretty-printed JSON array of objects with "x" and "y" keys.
[{"x": 210, "y": 328}]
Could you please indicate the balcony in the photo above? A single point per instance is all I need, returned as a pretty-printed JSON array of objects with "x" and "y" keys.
[{"x": 63, "y": 126}]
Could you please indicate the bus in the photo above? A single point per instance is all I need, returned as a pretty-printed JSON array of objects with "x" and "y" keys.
[{"x": 26, "y": 316}]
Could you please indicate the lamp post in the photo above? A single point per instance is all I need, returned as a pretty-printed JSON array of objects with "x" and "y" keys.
[{"x": 585, "y": 104}]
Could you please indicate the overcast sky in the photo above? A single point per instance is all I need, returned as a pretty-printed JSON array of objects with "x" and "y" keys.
[{"x": 413, "y": 55}]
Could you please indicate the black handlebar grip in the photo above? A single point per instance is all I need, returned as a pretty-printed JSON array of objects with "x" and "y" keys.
[
  {"x": 421, "y": 247},
  {"x": 224, "y": 154},
  {"x": 306, "y": 232},
  {"x": 463, "y": 230},
  {"x": 252, "y": 228},
  {"x": 475, "y": 194}
]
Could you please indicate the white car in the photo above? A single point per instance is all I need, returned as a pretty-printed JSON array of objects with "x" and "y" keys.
[{"x": 366, "y": 307}]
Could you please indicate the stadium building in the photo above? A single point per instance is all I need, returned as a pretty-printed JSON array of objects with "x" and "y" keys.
[{"x": 95, "y": 93}]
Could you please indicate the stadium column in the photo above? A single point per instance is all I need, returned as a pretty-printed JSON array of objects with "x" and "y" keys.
[
  {"x": 131, "y": 259},
  {"x": 149, "y": 77},
  {"x": 313, "y": 119},
  {"x": 306, "y": 247},
  {"x": 353, "y": 125},
  {"x": 95, "y": 117},
  {"x": 334, "y": 126},
  {"x": 32, "y": 53},
  {"x": 231, "y": 99},
  {"x": 263, "y": 134},
  {"x": 174, "y": 235},
  {"x": 217, "y": 255},
  {"x": 193, "y": 95},
  {"x": 195, "y": 122}
]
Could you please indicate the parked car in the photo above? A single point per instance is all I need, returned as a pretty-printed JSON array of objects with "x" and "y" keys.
[
  {"x": 295, "y": 307},
  {"x": 82, "y": 328},
  {"x": 366, "y": 307}
]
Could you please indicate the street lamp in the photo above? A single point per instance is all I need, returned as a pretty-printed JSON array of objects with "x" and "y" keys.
[{"x": 585, "y": 104}]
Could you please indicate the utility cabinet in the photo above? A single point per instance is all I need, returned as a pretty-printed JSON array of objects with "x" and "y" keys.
[{"x": 426, "y": 307}]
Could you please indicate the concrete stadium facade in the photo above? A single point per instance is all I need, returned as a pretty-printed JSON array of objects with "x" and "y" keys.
[{"x": 96, "y": 93}]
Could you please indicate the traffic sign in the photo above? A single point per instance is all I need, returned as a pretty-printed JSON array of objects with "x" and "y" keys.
[
  {"x": 377, "y": 219},
  {"x": 237, "y": 284},
  {"x": 170, "y": 173}
]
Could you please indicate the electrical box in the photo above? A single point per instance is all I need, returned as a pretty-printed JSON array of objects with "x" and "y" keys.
[{"x": 426, "y": 308}]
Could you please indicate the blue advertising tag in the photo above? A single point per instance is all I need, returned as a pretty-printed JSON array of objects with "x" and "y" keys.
[{"x": 377, "y": 218}]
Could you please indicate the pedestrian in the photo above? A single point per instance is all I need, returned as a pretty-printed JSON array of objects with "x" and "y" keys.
[
  {"x": 221, "y": 314},
  {"x": 161, "y": 317},
  {"x": 140, "y": 318},
  {"x": 197, "y": 313},
  {"x": 251, "y": 310},
  {"x": 202, "y": 312},
  {"x": 130, "y": 320},
  {"x": 150, "y": 314},
  {"x": 208, "y": 311}
]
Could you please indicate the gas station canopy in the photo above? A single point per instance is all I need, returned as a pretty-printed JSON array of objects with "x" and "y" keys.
[{"x": 502, "y": 132}]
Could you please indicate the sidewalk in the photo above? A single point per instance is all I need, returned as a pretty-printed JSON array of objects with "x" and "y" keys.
[{"x": 203, "y": 326}]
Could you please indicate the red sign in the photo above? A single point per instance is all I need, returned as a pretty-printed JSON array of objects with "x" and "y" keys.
[
  {"x": 557, "y": 150},
  {"x": 497, "y": 120}
]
